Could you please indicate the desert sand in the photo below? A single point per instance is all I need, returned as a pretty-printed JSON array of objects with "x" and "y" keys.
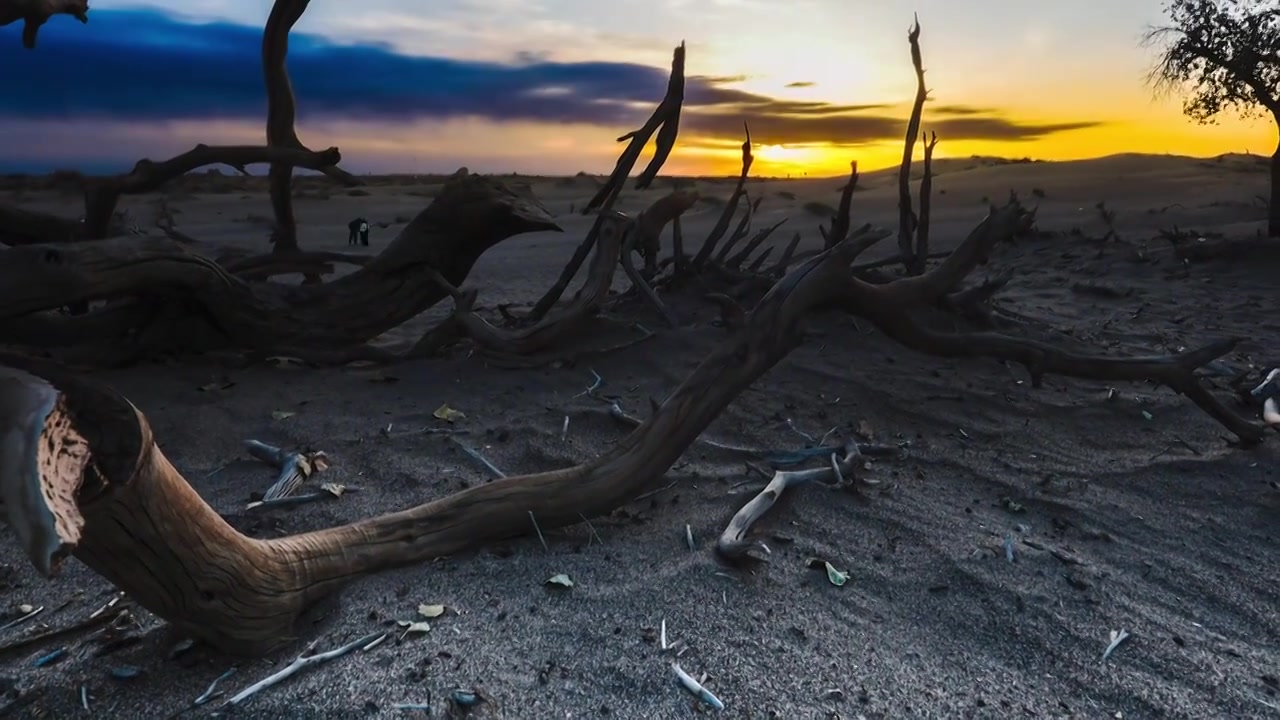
[{"x": 1124, "y": 506}]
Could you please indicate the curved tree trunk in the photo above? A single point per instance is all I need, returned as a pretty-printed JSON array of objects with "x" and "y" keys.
[
  {"x": 125, "y": 511},
  {"x": 470, "y": 215},
  {"x": 80, "y": 471},
  {"x": 1273, "y": 207}
]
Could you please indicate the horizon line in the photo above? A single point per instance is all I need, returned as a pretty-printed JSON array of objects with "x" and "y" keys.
[{"x": 217, "y": 169}]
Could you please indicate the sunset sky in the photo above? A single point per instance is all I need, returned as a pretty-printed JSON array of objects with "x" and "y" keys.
[{"x": 545, "y": 86}]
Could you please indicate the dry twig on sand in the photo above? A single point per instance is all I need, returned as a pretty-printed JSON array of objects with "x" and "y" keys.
[
  {"x": 295, "y": 467},
  {"x": 303, "y": 662},
  {"x": 104, "y": 616},
  {"x": 733, "y": 543}
]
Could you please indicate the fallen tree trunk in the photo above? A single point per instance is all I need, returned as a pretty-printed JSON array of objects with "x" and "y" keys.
[
  {"x": 470, "y": 215},
  {"x": 82, "y": 473},
  {"x": 96, "y": 471}
]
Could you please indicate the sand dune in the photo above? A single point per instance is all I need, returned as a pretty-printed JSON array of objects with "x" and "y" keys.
[{"x": 1125, "y": 509}]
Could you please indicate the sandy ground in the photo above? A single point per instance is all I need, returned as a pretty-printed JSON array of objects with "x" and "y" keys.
[{"x": 1124, "y": 511}]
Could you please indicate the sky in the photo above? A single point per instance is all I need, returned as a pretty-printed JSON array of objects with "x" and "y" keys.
[{"x": 546, "y": 86}]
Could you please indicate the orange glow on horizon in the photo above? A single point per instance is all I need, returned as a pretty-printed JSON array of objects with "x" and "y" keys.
[{"x": 1176, "y": 136}]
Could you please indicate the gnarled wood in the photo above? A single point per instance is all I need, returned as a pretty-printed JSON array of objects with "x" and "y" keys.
[
  {"x": 282, "y": 111},
  {"x": 102, "y": 194},
  {"x": 470, "y": 215},
  {"x": 568, "y": 321},
  {"x": 722, "y": 225},
  {"x": 665, "y": 121},
  {"x": 183, "y": 562},
  {"x": 25, "y": 227},
  {"x": 907, "y": 221}
]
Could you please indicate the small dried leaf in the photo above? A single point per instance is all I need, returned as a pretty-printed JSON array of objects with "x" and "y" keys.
[
  {"x": 26, "y": 609},
  {"x": 836, "y": 577},
  {"x": 561, "y": 580},
  {"x": 1117, "y": 637},
  {"x": 431, "y": 611},
  {"x": 413, "y": 627},
  {"x": 334, "y": 489},
  {"x": 125, "y": 672},
  {"x": 1012, "y": 505},
  {"x": 282, "y": 414},
  {"x": 448, "y": 414}
]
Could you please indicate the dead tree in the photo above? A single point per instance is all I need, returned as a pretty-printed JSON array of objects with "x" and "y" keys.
[
  {"x": 470, "y": 215},
  {"x": 281, "y": 120},
  {"x": 665, "y": 122},
  {"x": 83, "y": 476},
  {"x": 84, "y": 465},
  {"x": 907, "y": 219},
  {"x": 283, "y": 150}
]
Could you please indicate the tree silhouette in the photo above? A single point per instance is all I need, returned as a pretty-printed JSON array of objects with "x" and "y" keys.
[{"x": 1225, "y": 56}]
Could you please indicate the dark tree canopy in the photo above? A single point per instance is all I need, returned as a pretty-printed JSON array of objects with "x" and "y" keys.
[{"x": 1224, "y": 53}]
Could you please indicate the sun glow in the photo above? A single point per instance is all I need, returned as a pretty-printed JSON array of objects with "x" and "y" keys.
[{"x": 789, "y": 160}]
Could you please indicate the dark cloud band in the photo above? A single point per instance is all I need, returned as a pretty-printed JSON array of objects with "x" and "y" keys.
[{"x": 146, "y": 66}]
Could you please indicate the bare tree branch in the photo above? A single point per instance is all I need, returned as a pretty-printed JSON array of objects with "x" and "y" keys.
[
  {"x": 34, "y": 13},
  {"x": 665, "y": 120}
]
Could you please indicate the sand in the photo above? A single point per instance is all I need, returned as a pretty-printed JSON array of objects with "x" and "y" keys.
[{"x": 1126, "y": 509}]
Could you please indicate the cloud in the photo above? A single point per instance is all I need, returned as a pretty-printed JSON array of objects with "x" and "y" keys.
[
  {"x": 961, "y": 110},
  {"x": 861, "y": 129},
  {"x": 716, "y": 79},
  {"x": 801, "y": 84},
  {"x": 145, "y": 66}
]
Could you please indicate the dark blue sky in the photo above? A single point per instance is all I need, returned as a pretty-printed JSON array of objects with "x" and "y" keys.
[{"x": 140, "y": 67}]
